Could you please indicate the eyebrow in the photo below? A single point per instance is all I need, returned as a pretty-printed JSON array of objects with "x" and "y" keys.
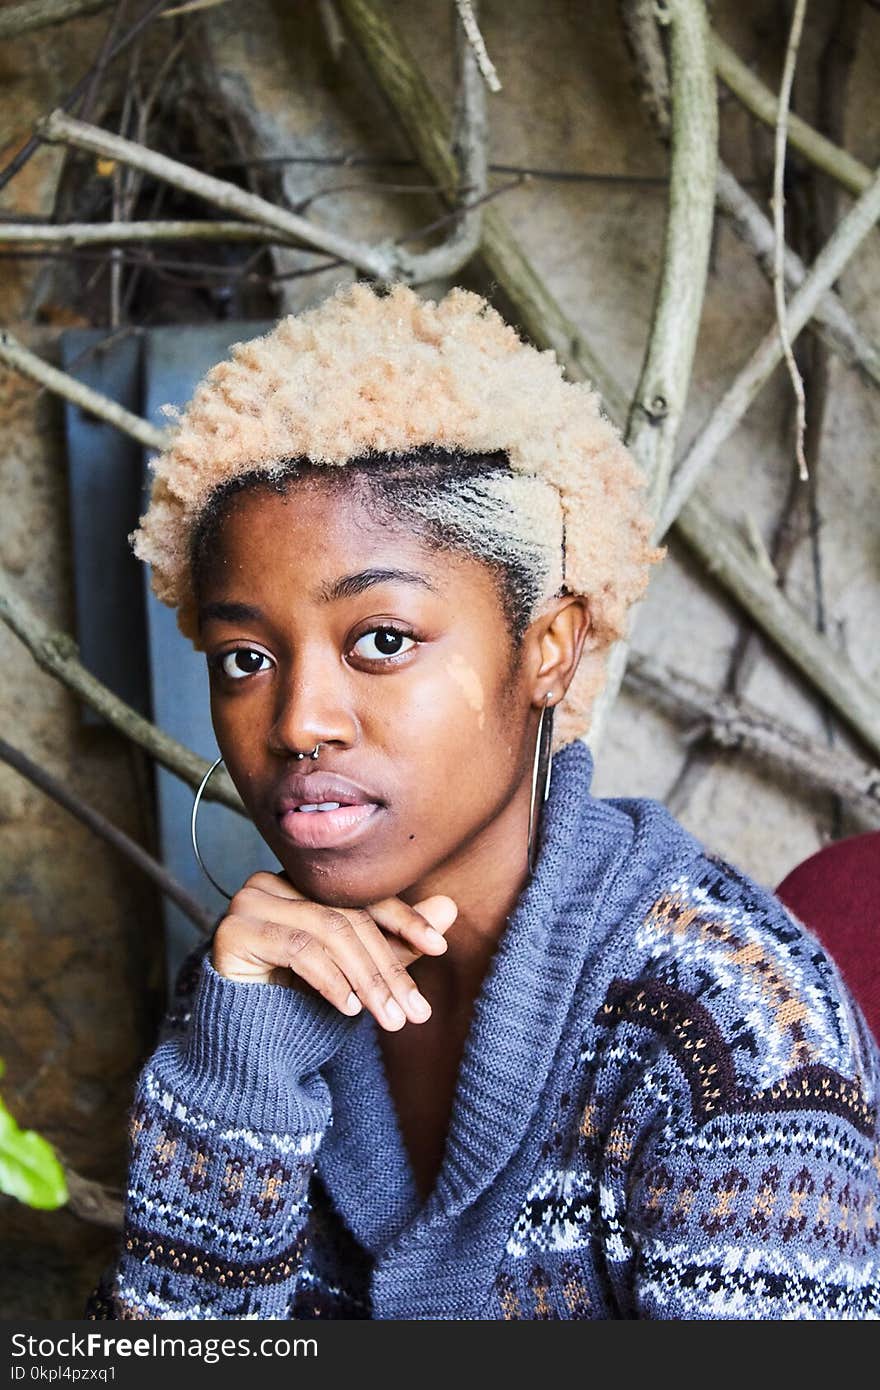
[
  {"x": 352, "y": 584},
  {"x": 347, "y": 586}
]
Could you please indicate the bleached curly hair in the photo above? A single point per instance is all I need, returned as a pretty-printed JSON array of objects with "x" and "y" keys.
[{"x": 475, "y": 434}]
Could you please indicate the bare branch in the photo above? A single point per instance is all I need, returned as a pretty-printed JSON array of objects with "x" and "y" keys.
[
  {"x": 109, "y": 832},
  {"x": 385, "y": 262},
  {"x": 658, "y": 407},
  {"x": 639, "y": 21},
  {"x": 191, "y": 7},
  {"x": 333, "y": 29},
  {"x": 56, "y": 653},
  {"x": 16, "y": 355},
  {"x": 112, "y": 233},
  {"x": 92, "y": 1201},
  {"x": 41, "y": 14},
  {"x": 778, "y": 203},
  {"x": 728, "y": 559},
  {"x": 826, "y": 268},
  {"x": 831, "y": 319},
  {"x": 475, "y": 39},
  {"x": 735, "y": 723},
  {"x": 763, "y": 103},
  {"x": 471, "y": 145},
  {"x": 61, "y": 128}
]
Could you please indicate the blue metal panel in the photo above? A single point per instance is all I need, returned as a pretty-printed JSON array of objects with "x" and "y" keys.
[
  {"x": 104, "y": 483},
  {"x": 175, "y": 359}
]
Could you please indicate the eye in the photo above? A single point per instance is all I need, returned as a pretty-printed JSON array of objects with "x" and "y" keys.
[
  {"x": 385, "y": 641},
  {"x": 240, "y": 662}
]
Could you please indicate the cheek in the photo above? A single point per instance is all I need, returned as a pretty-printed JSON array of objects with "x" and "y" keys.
[{"x": 467, "y": 683}]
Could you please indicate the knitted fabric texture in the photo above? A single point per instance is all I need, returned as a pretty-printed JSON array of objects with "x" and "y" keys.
[
  {"x": 666, "y": 1108},
  {"x": 364, "y": 373}
]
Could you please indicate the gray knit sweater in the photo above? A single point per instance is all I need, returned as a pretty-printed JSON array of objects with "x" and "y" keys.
[{"x": 666, "y": 1108}]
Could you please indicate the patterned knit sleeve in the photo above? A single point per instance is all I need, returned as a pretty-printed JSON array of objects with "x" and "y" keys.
[
  {"x": 228, "y": 1116},
  {"x": 741, "y": 1172}
]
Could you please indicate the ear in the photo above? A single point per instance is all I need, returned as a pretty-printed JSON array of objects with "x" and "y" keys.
[{"x": 560, "y": 636}]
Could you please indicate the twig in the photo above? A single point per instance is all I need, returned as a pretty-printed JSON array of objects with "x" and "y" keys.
[
  {"x": 778, "y": 204},
  {"x": 727, "y": 559},
  {"x": 826, "y": 268},
  {"x": 40, "y": 14},
  {"x": 111, "y": 233},
  {"x": 747, "y": 647},
  {"x": 471, "y": 147},
  {"x": 191, "y": 7},
  {"x": 56, "y": 653},
  {"x": 333, "y": 30},
  {"x": 385, "y": 262},
  {"x": 109, "y": 832},
  {"x": 759, "y": 549},
  {"x": 16, "y": 355},
  {"x": 60, "y": 127},
  {"x": 750, "y": 90},
  {"x": 649, "y": 61},
  {"x": 658, "y": 405},
  {"x": 92, "y": 1201},
  {"x": 475, "y": 39},
  {"x": 105, "y": 56},
  {"x": 831, "y": 319},
  {"x": 735, "y": 723},
  {"x": 28, "y": 149}
]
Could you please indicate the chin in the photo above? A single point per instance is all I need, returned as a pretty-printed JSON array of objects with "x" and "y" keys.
[{"x": 340, "y": 885}]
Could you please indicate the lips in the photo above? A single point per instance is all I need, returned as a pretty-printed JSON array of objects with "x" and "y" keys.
[
  {"x": 316, "y": 788},
  {"x": 352, "y": 809}
]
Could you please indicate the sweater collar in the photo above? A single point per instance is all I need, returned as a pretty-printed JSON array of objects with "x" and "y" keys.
[{"x": 515, "y": 1028}]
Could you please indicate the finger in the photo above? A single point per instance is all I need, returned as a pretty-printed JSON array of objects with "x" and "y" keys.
[
  {"x": 309, "y": 961},
  {"x": 377, "y": 973},
  {"x": 250, "y": 949},
  {"x": 351, "y": 938},
  {"x": 408, "y": 924}
]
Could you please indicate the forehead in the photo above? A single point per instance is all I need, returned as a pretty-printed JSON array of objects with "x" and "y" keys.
[{"x": 307, "y": 537}]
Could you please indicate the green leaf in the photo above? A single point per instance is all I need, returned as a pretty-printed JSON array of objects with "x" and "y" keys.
[{"x": 29, "y": 1169}]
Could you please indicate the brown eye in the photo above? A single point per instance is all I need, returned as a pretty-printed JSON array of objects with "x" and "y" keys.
[
  {"x": 243, "y": 661},
  {"x": 384, "y": 641}
]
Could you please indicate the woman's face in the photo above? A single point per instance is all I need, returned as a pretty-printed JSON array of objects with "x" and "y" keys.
[{"x": 322, "y": 625}]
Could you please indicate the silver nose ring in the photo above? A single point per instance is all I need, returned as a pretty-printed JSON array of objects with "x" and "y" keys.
[{"x": 313, "y": 754}]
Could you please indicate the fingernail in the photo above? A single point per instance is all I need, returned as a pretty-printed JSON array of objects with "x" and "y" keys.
[
  {"x": 418, "y": 1004},
  {"x": 434, "y": 938},
  {"x": 352, "y": 1004},
  {"x": 394, "y": 1013}
]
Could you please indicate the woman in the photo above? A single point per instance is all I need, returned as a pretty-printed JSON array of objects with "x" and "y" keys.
[{"x": 470, "y": 1053}]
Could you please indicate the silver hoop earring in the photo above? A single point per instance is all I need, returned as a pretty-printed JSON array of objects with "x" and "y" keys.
[
  {"x": 195, "y": 844},
  {"x": 543, "y": 757}
]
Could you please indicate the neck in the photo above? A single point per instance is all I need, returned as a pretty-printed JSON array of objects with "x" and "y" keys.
[{"x": 485, "y": 881}]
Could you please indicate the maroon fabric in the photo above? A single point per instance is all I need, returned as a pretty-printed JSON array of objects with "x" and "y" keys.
[{"x": 836, "y": 893}]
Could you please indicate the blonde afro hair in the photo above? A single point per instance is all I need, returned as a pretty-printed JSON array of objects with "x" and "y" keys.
[{"x": 367, "y": 373}]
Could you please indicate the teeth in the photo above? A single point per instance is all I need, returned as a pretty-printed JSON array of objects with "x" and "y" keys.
[{"x": 321, "y": 806}]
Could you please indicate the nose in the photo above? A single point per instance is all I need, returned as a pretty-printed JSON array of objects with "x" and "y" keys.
[{"x": 311, "y": 709}]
